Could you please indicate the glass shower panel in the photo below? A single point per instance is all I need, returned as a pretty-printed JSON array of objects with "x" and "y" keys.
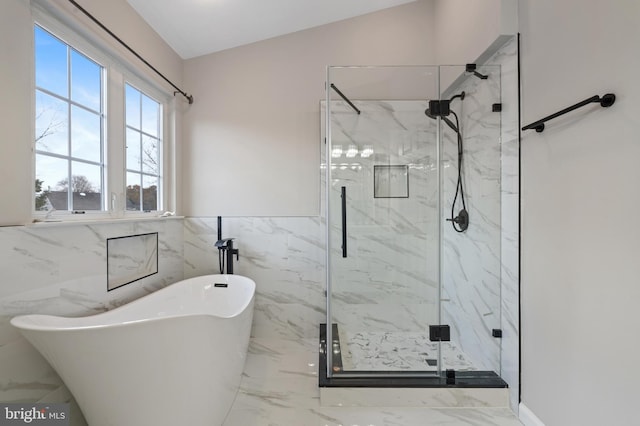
[
  {"x": 471, "y": 177},
  {"x": 382, "y": 195}
]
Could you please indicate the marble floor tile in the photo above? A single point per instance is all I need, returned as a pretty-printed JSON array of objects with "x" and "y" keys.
[
  {"x": 398, "y": 351},
  {"x": 280, "y": 388},
  {"x": 282, "y": 358},
  {"x": 346, "y": 416}
]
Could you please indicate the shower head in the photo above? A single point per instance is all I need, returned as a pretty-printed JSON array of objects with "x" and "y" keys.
[
  {"x": 442, "y": 109},
  {"x": 429, "y": 114}
]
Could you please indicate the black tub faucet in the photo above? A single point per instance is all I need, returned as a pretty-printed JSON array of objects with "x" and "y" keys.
[{"x": 225, "y": 250}]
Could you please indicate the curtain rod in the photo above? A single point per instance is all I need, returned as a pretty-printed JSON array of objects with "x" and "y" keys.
[{"x": 101, "y": 25}]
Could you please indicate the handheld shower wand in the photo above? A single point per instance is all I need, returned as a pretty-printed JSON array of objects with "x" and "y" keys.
[{"x": 442, "y": 109}]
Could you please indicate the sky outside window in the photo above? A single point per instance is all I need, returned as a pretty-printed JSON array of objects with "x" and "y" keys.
[{"x": 68, "y": 124}]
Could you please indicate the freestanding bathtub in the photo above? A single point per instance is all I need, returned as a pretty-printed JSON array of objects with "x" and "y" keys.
[{"x": 173, "y": 357}]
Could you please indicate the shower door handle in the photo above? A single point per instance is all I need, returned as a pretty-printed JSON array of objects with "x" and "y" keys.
[{"x": 343, "y": 194}]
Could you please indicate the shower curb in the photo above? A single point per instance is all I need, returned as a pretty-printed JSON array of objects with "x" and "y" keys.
[{"x": 403, "y": 389}]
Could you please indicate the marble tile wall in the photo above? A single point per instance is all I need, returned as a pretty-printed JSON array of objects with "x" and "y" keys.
[
  {"x": 284, "y": 256},
  {"x": 480, "y": 266},
  {"x": 61, "y": 269},
  {"x": 131, "y": 258},
  {"x": 388, "y": 281},
  {"x": 471, "y": 259}
]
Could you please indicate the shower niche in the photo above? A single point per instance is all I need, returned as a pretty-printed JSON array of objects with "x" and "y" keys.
[{"x": 398, "y": 172}]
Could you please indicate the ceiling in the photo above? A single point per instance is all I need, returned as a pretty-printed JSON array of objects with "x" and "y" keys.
[{"x": 198, "y": 27}]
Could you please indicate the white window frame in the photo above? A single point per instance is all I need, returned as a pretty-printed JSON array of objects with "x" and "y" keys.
[
  {"x": 154, "y": 95},
  {"x": 117, "y": 72}
]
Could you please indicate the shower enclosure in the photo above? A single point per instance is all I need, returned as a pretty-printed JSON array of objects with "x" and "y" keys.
[{"x": 408, "y": 295}]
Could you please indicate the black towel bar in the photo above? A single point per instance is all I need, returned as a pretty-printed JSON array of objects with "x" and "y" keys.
[{"x": 605, "y": 102}]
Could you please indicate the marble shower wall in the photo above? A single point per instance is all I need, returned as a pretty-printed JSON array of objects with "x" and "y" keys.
[
  {"x": 61, "y": 269},
  {"x": 471, "y": 259},
  {"x": 388, "y": 281},
  {"x": 480, "y": 266}
]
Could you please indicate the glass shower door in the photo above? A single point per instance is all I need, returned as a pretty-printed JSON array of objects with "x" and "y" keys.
[{"x": 382, "y": 195}]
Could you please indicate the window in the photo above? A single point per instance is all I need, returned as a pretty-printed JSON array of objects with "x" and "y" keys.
[
  {"x": 99, "y": 130},
  {"x": 69, "y": 142},
  {"x": 143, "y": 150}
]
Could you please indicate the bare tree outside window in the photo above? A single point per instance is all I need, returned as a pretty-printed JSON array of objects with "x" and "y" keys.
[
  {"x": 144, "y": 169},
  {"x": 78, "y": 184},
  {"x": 51, "y": 127}
]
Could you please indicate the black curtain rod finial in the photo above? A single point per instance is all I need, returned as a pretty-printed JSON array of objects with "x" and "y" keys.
[{"x": 189, "y": 97}]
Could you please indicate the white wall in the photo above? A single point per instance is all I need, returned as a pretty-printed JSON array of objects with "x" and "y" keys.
[
  {"x": 580, "y": 247},
  {"x": 16, "y": 70},
  {"x": 16, "y": 35},
  {"x": 252, "y": 138},
  {"x": 465, "y": 28}
]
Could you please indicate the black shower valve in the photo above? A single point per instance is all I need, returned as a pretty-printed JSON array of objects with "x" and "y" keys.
[{"x": 462, "y": 220}]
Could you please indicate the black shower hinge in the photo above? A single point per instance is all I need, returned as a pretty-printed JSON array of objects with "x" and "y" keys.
[
  {"x": 450, "y": 376},
  {"x": 496, "y": 332},
  {"x": 496, "y": 107},
  {"x": 439, "y": 333}
]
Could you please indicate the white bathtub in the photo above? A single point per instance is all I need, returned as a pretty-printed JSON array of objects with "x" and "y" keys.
[{"x": 173, "y": 357}]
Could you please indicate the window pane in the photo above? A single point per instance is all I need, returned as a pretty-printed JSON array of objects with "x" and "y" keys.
[
  {"x": 133, "y": 107},
  {"x": 150, "y": 116},
  {"x": 51, "y": 183},
  {"x": 150, "y": 155},
  {"x": 133, "y": 191},
  {"x": 52, "y": 119},
  {"x": 149, "y": 193},
  {"x": 85, "y": 81},
  {"x": 51, "y": 63},
  {"x": 85, "y": 134},
  {"x": 133, "y": 150},
  {"x": 86, "y": 183}
]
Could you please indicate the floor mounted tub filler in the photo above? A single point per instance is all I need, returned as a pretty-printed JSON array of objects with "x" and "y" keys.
[{"x": 173, "y": 357}]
